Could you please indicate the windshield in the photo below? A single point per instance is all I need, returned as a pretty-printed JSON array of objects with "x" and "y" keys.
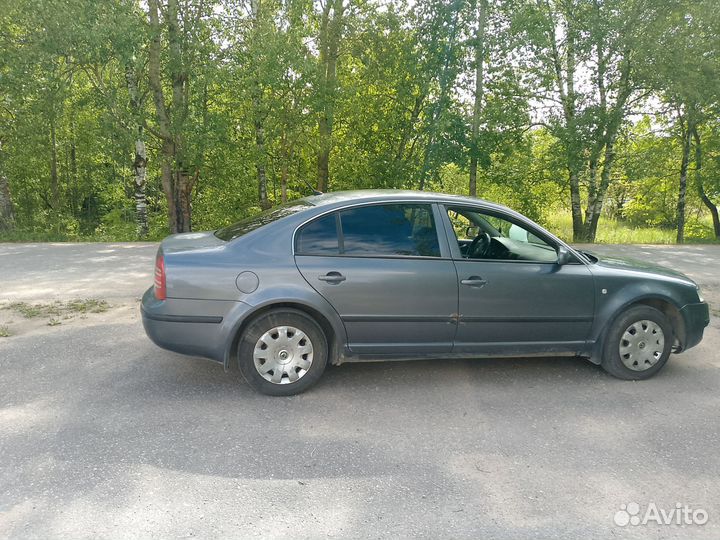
[{"x": 250, "y": 224}]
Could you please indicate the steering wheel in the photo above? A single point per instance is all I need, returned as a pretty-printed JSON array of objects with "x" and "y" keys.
[{"x": 479, "y": 246}]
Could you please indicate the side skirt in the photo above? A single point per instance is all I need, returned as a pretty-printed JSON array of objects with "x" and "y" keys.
[{"x": 582, "y": 351}]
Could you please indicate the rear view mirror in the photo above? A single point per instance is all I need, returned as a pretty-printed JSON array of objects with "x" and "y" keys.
[{"x": 563, "y": 255}]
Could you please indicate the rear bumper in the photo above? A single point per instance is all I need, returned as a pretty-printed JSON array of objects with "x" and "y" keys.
[
  {"x": 696, "y": 318},
  {"x": 191, "y": 327}
]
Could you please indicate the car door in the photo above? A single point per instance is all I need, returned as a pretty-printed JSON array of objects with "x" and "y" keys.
[
  {"x": 513, "y": 296},
  {"x": 387, "y": 273}
]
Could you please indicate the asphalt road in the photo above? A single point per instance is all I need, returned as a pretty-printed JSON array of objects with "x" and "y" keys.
[{"x": 102, "y": 434}]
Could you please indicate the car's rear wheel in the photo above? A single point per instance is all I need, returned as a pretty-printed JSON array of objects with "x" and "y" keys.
[
  {"x": 637, "y": 344},
  {"x": 282, "y": 352}
]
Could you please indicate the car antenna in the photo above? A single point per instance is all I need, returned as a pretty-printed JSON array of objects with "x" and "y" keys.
[{"x": 314, "y": 191}]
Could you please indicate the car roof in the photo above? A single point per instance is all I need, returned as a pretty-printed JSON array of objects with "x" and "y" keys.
[{"x": 390, "y": 195}]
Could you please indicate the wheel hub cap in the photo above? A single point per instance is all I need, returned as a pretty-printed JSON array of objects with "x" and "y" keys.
[
  {"x": 283, "y": 355},
  {"x": 642, "y": 345}
]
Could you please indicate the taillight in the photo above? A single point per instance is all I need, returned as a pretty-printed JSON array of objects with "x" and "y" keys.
[{"x": 160, "y": 290}]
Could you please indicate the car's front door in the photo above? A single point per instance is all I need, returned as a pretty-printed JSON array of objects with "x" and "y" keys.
[
  {"x": 513, "y": 296},
  {"x": 387, "y": 273}
]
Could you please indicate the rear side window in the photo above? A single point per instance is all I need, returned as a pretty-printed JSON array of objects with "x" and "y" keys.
[
  {"x": 319, "y": 237},
  {"x": 391, "y": 229},
  {"x": 250, "y": 224}
]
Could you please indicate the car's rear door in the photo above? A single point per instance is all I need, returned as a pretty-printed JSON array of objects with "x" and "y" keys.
[{"x": 388, "y": 274}]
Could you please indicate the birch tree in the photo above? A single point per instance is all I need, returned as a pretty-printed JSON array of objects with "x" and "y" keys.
[
  {"x": 481, "y": 9},
  {"x": 330, "y": 34},
  {"x": 585, "y": 71}
]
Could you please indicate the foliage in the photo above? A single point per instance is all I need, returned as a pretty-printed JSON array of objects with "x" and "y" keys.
[{"x": 590, "y": 109}]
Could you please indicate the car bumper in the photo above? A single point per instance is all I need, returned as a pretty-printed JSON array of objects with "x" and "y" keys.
[
  {"x": 696, "y": 318},
  {"x": 192, "y": 327}
]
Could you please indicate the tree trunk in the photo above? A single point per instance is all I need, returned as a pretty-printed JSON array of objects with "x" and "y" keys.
[
  {"x": 7, "y": 216},
  {"x": 286, "y": 156},
  {"x": 686, "y": 135},
  {"x": 140, "y": 170},
  {"x": 591, "y": 197},
  {"x": 323, "y": 160},
  {"x": 409, "y": 129},
  {"x": 167, "y": 153},
  {"x": 331, "y": 28},
  {"x": 176, "y": 180},
  {"x": 183, "y": 191},
  {"x": 262, "y": 177},
  {"x": 576, "y": 207},
  {"x": 565, "y": 83},
  {"x": 140, "y": 160},
  {"x": 479, "y": 92},
  {"x": 701, "y": 188},
  {"x": 258, "y": 109},
  {"x": 283, "y": 182},
  {"x": 54, "y": 187},
  {"x": 446, "y": 78},
  {"x": 73, "y": 184},
  {"x": 605, "y": 177}
]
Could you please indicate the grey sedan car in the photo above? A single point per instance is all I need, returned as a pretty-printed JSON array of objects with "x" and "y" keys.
[{"x": 399, "y": 275}]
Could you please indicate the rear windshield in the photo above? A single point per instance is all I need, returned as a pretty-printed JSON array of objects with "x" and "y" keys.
[{"x": 250, "y": 224}]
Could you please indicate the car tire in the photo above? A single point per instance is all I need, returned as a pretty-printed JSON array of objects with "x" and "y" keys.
[
  {"x": 637, "y": 344},
  {"x": 282, "y": 352}
]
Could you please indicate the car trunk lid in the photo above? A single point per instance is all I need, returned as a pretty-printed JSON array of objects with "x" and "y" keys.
[{"x": 182, "y": 242}]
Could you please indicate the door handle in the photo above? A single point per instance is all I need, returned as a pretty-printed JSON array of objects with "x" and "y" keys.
[
  {"x": 474, "y": 281},
  {"x": 332, "y": 277}
]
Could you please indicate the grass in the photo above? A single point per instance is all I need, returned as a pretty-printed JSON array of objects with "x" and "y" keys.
[
  {"x": 54, "y": 312},
  {"x": 612, "y": 231},
  {"x": 30, "y": 311},
  {"x": 58, "y": 308},
  {"x": 89, "y": 305}
]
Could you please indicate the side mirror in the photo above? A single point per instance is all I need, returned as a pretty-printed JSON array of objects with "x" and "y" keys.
[
  {"x": 563, "y": 255},
  {"x": 471, "y": 232}
]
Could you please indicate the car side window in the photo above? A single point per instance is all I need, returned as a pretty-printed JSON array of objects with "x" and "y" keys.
[
  {"x": 390, "y": 230},
  {"x": 319, "y": 237},
  {"x": 488, "y": 236}
]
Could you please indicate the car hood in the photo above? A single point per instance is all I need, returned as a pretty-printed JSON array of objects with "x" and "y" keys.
[{"x": 627, "y": 263}]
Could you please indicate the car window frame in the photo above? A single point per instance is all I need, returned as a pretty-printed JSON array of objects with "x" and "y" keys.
[
  {"x": 445, "y": 250},
  {"x": 525, "y": 224}
]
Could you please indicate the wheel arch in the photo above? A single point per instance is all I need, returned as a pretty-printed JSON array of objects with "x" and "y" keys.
[
  {"x": 662, "y": 303},
  {"x": 333, "y": 333}
]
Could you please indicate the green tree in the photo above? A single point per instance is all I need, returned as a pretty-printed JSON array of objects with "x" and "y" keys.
[
  {"x": 180, "y": 47},
  {"x": 584, "y": 61},
  {"x": 686, "y": 62}
]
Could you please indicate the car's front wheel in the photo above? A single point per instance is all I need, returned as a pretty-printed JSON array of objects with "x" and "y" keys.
[
  {"x": 637, "y": 344},
  {"x": 282, "y": 352}
]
